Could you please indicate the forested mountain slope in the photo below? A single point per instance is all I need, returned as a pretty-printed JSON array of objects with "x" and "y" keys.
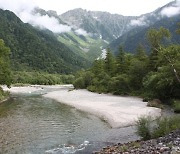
[
  {"x": 78, "y": 40},
  {"x": 137, "y": 36},
  {"x": 34, "y": 49}
]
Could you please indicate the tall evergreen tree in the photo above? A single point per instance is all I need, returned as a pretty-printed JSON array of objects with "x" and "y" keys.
[
  {"x": 120, "y": 61},
  {"x": 98, "y": 67},
  {"x": 178, "y": 30},
  {"x": 140, "y": 53},
  {"x": 109, "y": 63}
]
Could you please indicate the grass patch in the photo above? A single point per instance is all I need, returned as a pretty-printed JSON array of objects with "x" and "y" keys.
[
  {"x": 135, "y": 144},
  {"x": 124, "y": 148}
]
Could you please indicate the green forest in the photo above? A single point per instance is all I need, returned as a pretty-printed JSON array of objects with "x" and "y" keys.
[
  {"x": 40, "y": 78},
  {"x": 9, "y": 76},
  {"x": 156, "y": 75},
  {"x": 5, "y": 72}
]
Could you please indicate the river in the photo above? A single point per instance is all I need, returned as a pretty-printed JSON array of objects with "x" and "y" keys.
[{"x": 32, "y": 124}]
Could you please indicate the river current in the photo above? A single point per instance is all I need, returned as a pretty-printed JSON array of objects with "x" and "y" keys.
[{"x": 32, "y": 124}]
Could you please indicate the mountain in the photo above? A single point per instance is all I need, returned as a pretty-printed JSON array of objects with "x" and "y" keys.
[
  {"x": 78, "y": 40},
  {"x": 100, "y": 24},
  {"x": 50, "y": 13},
  {"x": 91, "y": 31},
  {"x": 34, "y": 49},
  {"x": 132, "y": 38}
]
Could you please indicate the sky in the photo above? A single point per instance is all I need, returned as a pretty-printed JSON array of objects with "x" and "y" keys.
[
  {"x": 23, "y": 9},
  {"x": 124, "y": 7}
]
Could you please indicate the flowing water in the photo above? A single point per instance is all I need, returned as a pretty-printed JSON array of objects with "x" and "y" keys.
[{"x": 32, "y": 124}]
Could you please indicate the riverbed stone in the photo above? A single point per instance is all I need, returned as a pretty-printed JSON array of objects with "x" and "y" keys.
[{"x": 169, "y": 144}]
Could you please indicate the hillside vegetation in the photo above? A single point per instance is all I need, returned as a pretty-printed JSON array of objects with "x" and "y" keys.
[
  {"x": 5, "y": 71},
  {"x": 32, "y": 49},
  {"x": 131, "y": 39}
]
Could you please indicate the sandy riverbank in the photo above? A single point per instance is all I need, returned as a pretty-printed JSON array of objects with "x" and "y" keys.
[
  {"x": 26, "y": 89},
  {"x": 117, "y": 111},
  {"x": 34, "y": 88}
]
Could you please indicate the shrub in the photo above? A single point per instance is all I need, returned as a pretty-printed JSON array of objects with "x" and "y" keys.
[
  {"x": 119, "y": 85},
  {"x": 79, "y": 83},
  {"x": 143, "y": 127},
  {"x": 176, "y": 106},
  {"x": 3, "y": 94},
  {"x": 162, "y": 126},
  {"x": 165, "y": 125}
]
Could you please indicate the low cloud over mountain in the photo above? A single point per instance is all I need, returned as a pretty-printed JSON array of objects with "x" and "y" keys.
[
  {"x": 171, "y": 10},
  {"x": 139, "y": 22},
  {"x": 23, "y": 9}
]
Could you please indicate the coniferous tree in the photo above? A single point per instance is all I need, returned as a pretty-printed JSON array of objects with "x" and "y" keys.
[
  {"x": 109, "y": 63},
  {"x": 140, "y": 53},
  {"x": 178, "y": 30},
  {"x": 120, "y": 61},
  {"x": 98, "y": 67}
]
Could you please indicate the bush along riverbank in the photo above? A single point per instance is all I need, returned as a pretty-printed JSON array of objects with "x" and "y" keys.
[
  {"x": 3, "y": 95},
  {"x": 167, "y": 131}
]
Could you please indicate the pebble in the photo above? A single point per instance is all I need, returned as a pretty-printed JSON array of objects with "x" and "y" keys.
[{"x": 169, "y": 144}]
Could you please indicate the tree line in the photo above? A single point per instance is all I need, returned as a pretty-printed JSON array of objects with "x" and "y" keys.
[{"x": 5, "y": 71}]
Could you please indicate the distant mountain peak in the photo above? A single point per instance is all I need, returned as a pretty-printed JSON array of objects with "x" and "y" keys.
[
  {"x": 103, "y": 24},
  {"x": 52, "y": 12}
]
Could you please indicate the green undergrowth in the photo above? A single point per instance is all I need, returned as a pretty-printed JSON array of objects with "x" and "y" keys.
[
  {"x": 42, "y": 78},
  {"x": 176, "y": 106},
  {"x": 3, "y": 94},
  {"x": 161, "y": 126}
]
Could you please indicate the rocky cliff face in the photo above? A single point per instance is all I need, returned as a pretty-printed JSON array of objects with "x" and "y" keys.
[{"x": 102, "y": 24}]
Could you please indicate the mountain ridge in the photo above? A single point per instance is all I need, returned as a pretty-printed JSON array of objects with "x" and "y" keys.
[
  {"x": 96, "y": 22},
  {"x": 131, "y": 39}
]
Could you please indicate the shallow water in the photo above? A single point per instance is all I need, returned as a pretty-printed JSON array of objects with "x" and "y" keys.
[{"x": 32, "y": 124}]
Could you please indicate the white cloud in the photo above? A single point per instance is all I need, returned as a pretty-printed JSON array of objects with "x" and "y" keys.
[
  {"x": 139, "y": 22},
  {"x": 172, "y": 10},
  {"x": 23, "y": 9},
  {"x": 44, "y": 22},
  {"x": 81, "y": 32},
  {"x": 124, "y": 7},
  {"x": 17, "y": 6}
]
